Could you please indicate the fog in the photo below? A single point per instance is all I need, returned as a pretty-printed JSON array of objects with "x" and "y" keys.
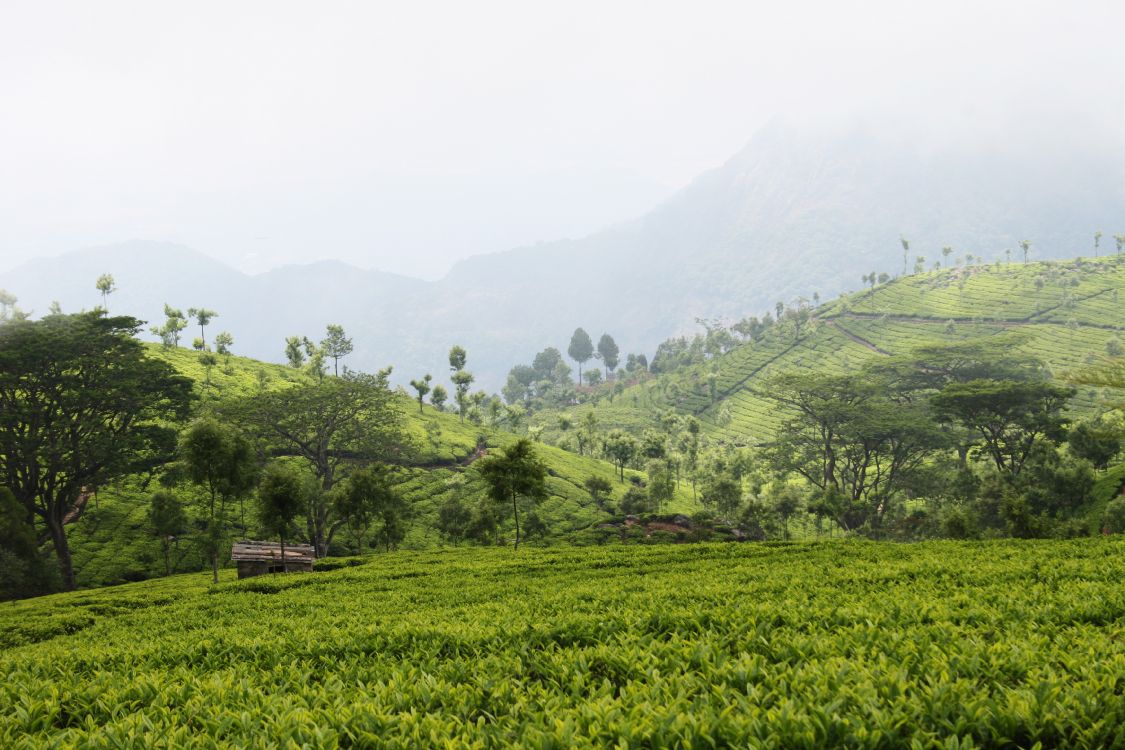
[{"x": 404, "y": 136}]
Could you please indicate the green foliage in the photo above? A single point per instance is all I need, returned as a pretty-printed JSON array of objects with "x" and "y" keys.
[
  {"x": 282, "y": 499},
  {"x": 168, "y": 521},
  {"x": 219, "y": 459},
  {"x": 1097, "y": 441},
  {"x": 23, "y": 571},
  {"x": 940, "y": 644},
  {"x": 1113, "y": 520},
  {"x": 514, "y": 478},
  {"x": 81, "y": 405}
]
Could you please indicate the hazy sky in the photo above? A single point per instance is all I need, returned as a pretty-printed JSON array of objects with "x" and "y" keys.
[{"x": 403, "y": 136}]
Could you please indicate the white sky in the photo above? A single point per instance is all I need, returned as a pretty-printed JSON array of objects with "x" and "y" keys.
[{"x": 405, "y": 135}]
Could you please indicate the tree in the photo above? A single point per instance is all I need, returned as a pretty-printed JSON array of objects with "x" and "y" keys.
[
  {"x": 281, "y": 500},
  {"x": 621, "y": 449},
  {"x": 723, "y": 492},
  {"x": 905, "y": 251},
  {"x": 336, "y": 345},
  {"x": 580, "y": 350},
  {"x": 607, "y": 348},
  {"x": 454, "y": 519},
  {"x": 1097, "y": 241},
  {"x": 1120, "y": 240},
  {"x": 80, "y": 405},
  {"x": 516, "y": 476},
  {"x": 1096, "y": 441},
  {"x": 359, "y": 500},
  {"x": 317, "y": 358},
  {"x": 168, "y": 521},
  {"x": 462, "y": 379},
  {"x": 786, "y": 503},
  {"x": 329, "y": 424},
  {"x": 223, "y": 342},
  {"x": 422, "y": 387},
  {"x": 203, "y": 318},
  {"x": 219, "y": 459},
  {"x": 661, "y": 483},
  {"x": 1025, "y": 246},
  {"x": 1010, "y": 417},
  {"x": 593, "y": 377},
  {"x": 599, "y": 489},
  {"x": 946, "y": 252},
  {"x": 294, "y": 352},
  {"x": 106, "y": 286},
  {"x": 855, "y": 438},
  {"x": 174, "y": 324},
  {"x": 635, "y": 502},
  {"x": 439, "y": 396}
]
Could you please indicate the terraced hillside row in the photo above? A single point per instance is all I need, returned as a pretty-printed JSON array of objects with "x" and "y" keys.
[
  {"x": 112, "y": 541},
  {"x": 845, "y": 644},
  {"x": 1067, "y": 314}
]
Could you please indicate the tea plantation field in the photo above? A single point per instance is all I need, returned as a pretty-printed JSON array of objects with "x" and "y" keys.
[
  {"x": 836, "y": 644},
  {"x": 1065, "y": 313}
]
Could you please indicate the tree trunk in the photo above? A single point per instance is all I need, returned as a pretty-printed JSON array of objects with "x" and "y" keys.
[
  {"x": 516, "y": 513},
  {"x": 284, "y": 561},
  {"x": 62, "y": 548},
  {"x": 214, "y": 566}
]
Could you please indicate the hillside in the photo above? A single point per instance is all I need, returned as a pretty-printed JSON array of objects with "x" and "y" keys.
[
  {"x": 799, "y": 210},
  {"x": 1065, "y": 313},
  {"x": 112, "y": 542},
  {"x": 995, "y": 644}
]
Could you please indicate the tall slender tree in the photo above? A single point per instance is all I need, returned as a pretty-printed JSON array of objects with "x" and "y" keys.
[
  {"x": 609, "y": 352},
  {"x": 580, "y": 350},
  {"x": 106, "y": 286},
  {"x": 336, "y": 345},
  {"x": 462, "y": 378},
  {"x": 422, "y": 386},
  {"x": 203, "y": 318}
]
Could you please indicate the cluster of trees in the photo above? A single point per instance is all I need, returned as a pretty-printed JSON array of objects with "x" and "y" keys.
[
  {"x": 581, "y": 350},
  {"x": 979, "y": 435},
  {"x": 301, "y": 352},
  {"x": 469, "y": 405},
  {"x": 81, "y": 406}
]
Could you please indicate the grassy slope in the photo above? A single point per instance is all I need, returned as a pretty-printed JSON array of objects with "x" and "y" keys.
[
  {"x": 112, "y": 543},
  {"x": 939, "y": 644},
  {"x": 1067, "y": 320}
]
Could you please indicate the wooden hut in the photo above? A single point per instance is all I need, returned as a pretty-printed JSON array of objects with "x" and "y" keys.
[{"x": 259, "y": 558}]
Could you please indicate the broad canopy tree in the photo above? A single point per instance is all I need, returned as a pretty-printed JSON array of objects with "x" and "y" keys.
[
  {"x": 330, "y": 424},
  {"x": 80, "y": 405}
]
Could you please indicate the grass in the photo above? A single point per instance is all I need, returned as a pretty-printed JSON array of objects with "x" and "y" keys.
[{"x": 839, "y": 644}]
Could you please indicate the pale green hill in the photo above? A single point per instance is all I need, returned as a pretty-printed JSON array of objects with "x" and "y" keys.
[{"x": 1068, "y": 313}]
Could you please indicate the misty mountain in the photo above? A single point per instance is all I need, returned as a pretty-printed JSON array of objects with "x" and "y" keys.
[{"x": 797, "y": 211}]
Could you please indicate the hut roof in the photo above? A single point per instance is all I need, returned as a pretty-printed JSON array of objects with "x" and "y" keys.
[{"x": 271, "y": 551}]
